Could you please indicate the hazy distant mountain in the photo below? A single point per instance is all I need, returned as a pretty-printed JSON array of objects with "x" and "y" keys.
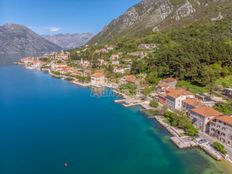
[
  {"x": 17, "y": 41},
  {"x": 156, "y": 15},
  {"x": 68, "y": 41}
]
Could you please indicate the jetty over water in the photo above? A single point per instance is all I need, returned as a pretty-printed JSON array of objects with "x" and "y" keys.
[
  {"x": 183, "y": 142},
  {"x": 129, "y": 102}
]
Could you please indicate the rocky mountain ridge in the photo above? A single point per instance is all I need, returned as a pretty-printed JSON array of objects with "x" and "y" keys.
[
  {"x": 155, "y": 15},
  {"x": 69, "y": 41},
  {"x": 17, "y": 41}
]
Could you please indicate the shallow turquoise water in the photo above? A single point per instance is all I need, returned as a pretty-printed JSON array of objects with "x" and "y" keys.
[{"x": 45, "y": 122}]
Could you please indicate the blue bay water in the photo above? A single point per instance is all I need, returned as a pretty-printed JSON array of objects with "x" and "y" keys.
[{"x": 45, "y": 122}]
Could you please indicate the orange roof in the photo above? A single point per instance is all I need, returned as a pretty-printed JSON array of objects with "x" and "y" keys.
[
  {"x": 206, "y": 111},
  {"x": 98, "y": 74},
  {"x": 161, "y": 84},
  {"x": 226, "y": 119},
  {"x": 175, "y": 93},
  {"x": 130, "y": 78},
  {"x": 35, "y": 61},
  {"x": 169, "y": 80},
  {"x": 193, "y": 102},
  {"x": 61, "y": 66},
  {"x": 73, "y": 70}
]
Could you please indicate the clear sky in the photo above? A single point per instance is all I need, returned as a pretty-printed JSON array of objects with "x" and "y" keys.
[{"x": 62, "y": 16}]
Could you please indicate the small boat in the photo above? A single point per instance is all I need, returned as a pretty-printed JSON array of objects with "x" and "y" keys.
[{"x": 65, "y": 165}]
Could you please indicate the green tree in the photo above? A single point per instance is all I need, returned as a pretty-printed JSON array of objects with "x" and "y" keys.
[
  {"x": 154, "y": 104},
  {"x": 219, "y": 147},
  {"x": 212, "y": 73},
  {"x": 152, "y": 78}
]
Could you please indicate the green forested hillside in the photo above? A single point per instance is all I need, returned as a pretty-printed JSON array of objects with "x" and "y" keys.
[
  {"x": 196, "y": 53},
  {"x": 199, "y": 53}
]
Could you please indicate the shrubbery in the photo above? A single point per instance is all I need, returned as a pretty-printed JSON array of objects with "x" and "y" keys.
[
  {"x": 219, "y": 147},
  {"x": 181, "y": 121},
  {"x": 225, "y": 108},
  {"x": 154, "y": 104},
  {"x": 128, "y": 88}
]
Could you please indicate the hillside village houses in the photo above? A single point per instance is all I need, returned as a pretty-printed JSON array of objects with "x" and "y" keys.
[
  {"x": 85, "y": 63},
  {"x": 147, "y": 46},
  {"x": 106, "y": 49},
  {"x": 128, "y": 79},
  {"x": 139, "y": 54},
  {"x": 98, "y": 79},
  {"x": 119, "y": 70},
  {"x": 114, "y": 57},
  {"x": 63, "y": 69},
  {"x": 58, "y": 67},
  {"x": 62, "y": 55},
  {"x": 115, "y": 62},
  {"x": 58, "y": 56},
  {"x": 32, "y": 63},
  {"x": 102, "y": 62}
]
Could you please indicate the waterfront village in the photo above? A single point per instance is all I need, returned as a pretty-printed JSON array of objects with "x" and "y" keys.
[{"x": 190, "y": 117}]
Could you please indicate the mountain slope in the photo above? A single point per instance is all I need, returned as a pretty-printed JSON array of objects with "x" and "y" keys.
[
  {"x": 155, "y": 15},
  {"x": 69, "y": 41},
  {"x": 17, "y": 41}
]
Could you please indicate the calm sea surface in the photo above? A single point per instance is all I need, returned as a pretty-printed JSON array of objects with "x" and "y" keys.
[{"x": 46, "y": 122}]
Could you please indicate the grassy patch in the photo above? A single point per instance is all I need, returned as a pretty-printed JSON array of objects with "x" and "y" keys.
[
  {"x": 152, "y": 112},
  {"x": 225, "y": 108},
  {"x": 226, "y": 82},
  {"x": 193, "y": 88},
  {"x": 177, "y": 2}
]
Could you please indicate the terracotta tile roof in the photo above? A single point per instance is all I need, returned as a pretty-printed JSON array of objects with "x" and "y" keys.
[
  {"x": 193, "y": 102},
  {"x": 226, "y": 119},
  {"x": 98, "y": 74},
  {"x": 170, "y": 90},
  {"x": 206, "y": 111},
  {"x": 35, "y": 61},
  {"x": 61, "y": 66},
  {"x": 175, "y": 93},
  {"x": 169, "y": 80},
  {"x": 161, "y": 84},
  {"x": 130, "y": 78}
]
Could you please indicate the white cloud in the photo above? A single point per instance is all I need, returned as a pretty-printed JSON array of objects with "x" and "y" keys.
[
  {"x": 44, "y": 29},
  {"x": 53, "y": 29}
]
